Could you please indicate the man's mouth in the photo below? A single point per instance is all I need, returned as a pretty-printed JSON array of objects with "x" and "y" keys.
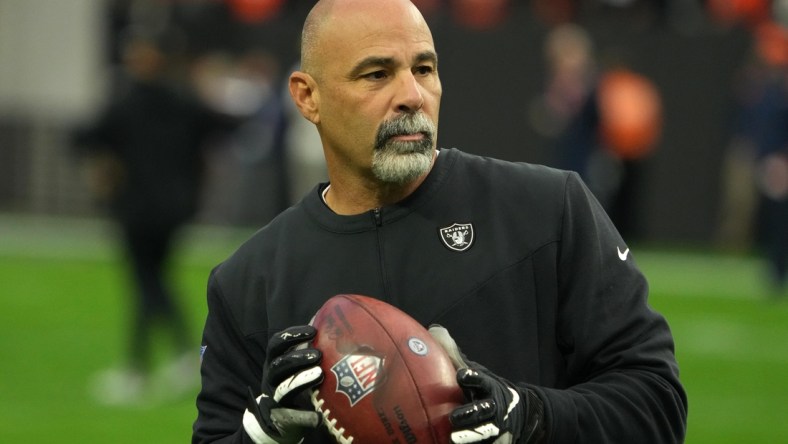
[{"x": 408, "y": 137}]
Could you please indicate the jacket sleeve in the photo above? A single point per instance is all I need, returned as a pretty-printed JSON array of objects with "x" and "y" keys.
[
  {"x": 227, "y": 369},
  {"x": 619, "y": 352}
]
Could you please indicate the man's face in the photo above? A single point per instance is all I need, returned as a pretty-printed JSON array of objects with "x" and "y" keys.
[{"x": 379, "y": 92}]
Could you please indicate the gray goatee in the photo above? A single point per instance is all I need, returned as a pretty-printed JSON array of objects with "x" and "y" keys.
[{"x": 400, "y": 162}]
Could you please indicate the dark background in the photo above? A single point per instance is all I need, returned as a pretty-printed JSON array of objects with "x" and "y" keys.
[{"x": 489, "y": 78}]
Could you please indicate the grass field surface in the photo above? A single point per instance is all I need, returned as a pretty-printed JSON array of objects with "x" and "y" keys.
[{"x": 62, "y": 318}]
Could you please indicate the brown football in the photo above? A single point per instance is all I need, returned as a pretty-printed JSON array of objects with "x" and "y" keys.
[{"x": 386, "y": 379}]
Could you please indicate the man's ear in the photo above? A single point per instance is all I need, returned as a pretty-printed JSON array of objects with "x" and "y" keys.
[{"x": 303, "y": 90}]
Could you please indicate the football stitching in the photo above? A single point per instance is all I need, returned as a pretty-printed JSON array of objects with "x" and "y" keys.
[{"x": 331, "y": 424}]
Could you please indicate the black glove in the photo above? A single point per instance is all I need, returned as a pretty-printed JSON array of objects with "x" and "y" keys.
[
  {"x": 499, "y": 412},
  {"x": 291, "y": 368}
]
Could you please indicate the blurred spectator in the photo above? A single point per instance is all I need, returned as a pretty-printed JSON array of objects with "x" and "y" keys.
[
  {"x": 629, "y": 110},
  {"x": 760, "y": 144},
  {"x": 562, "y": 112},
  {"x": 145, "y": 160},
  {"x": 603, "y": 120}
]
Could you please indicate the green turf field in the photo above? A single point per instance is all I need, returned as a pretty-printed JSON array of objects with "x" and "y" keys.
[{"x": 62, "y": 308}]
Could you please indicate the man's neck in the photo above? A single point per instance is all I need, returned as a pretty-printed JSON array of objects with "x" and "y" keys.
[
  {"x": 356, "y": 200},
  {"x": 358, "y": 195}
]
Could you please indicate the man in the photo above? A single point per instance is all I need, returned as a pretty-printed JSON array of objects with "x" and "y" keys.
[{"x": 540, "y": 289}]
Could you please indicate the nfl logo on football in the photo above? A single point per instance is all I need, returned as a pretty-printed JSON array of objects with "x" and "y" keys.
[{"x": 356, "y": 376}]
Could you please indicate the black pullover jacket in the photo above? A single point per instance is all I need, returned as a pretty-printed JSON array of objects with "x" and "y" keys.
[{"x": 519, "y": 262}]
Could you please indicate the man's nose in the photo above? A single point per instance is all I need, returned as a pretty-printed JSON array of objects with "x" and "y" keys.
[{"x": 409, "y": 96}]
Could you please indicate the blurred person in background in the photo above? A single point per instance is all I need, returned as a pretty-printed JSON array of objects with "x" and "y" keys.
[
  {"x": 772, "y": 156},
  {"x": 564, "y": 111},
  {"x": 602, "y": 117},
  {"x": 755, "y": 175},
  {"x": 144, "y": 158}
]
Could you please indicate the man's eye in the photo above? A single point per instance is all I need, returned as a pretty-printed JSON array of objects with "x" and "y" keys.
[
  {"x": 424, "y": 69},
  {"x": 375, "y": 75}
]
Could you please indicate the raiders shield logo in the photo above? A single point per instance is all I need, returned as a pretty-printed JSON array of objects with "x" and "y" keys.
[{"x": 457, "y": 237}]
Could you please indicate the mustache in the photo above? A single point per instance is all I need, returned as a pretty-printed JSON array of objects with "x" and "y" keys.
[{"x": 402, "y": 125}]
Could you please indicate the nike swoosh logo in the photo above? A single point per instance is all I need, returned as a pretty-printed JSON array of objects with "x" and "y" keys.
[{"x": 622, "y": 254}]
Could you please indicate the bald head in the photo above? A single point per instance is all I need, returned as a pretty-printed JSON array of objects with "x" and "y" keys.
[
  {"x": 369, "y": 82},
  {"x": 329, "y": 16}
]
